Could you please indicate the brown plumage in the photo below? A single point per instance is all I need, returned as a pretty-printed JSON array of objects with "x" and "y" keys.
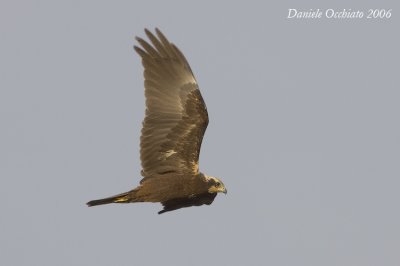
[{"x": 175, "y": 121}]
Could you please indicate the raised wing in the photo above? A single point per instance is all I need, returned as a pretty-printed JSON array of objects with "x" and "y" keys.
[{"x": 176, "y": 116}]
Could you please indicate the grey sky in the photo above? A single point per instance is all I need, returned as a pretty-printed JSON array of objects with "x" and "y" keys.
[{"x": 303, "y": 131}]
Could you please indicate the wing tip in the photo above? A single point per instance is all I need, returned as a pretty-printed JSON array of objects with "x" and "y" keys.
[{"x": 139, "y": 50}]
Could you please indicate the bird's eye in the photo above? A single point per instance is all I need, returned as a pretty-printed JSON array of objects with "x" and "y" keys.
[{"x": 217, "y": 184}]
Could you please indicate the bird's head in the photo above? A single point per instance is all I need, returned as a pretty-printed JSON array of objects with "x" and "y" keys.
[{"x": 215, "y": 185}]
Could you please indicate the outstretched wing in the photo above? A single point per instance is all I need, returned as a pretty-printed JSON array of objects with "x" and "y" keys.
[
  {"x": 176, "y": 116},
  {"x": 198, "y": 200}
]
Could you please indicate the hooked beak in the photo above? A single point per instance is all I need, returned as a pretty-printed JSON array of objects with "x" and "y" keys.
[{"x": 225, "y": 191}]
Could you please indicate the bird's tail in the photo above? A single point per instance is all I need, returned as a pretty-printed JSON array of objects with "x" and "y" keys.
[{"x": 120, "y": 198}]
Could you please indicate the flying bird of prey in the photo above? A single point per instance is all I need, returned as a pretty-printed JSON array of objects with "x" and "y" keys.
[{"x": 175, "y": 121}]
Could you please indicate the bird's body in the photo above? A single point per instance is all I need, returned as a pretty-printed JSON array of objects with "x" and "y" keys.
[{"x": 175, "y": 121}]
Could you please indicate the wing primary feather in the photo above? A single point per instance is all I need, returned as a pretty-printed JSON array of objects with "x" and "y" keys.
[
  {"x": 156, "y": 43},
  {"x": 171, "y": 48},
  {"x": 140, "y": 51},
  {"x": 166, "y": 43},
  {"x": 149, "y": 49}
]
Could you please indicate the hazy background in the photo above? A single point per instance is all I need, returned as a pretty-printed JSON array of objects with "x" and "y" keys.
[{"x": 304, "y": 131}]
